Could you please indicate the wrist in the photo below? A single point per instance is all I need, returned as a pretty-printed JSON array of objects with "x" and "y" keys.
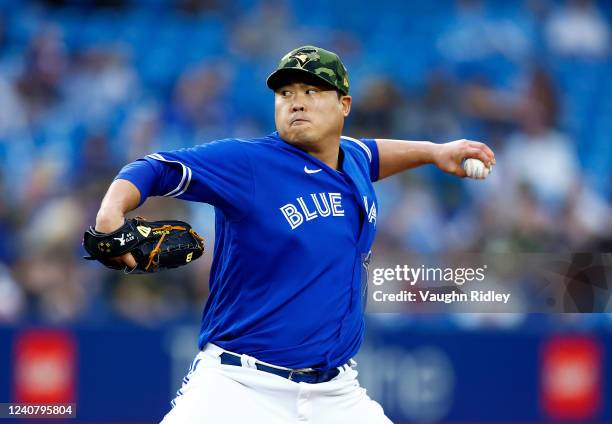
[
  {"x": 432, "y": 153},
  {"x": 108, "y": 220}
]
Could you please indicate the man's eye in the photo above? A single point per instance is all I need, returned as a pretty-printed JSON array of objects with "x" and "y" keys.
[
  {"x": 311, "y": 91},
  {"x": 285, "y": 93}
]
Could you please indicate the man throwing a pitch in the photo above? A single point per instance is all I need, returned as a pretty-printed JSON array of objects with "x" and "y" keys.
[{"x": 295, "y": 221}]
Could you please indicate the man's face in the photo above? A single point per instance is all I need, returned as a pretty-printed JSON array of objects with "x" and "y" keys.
[{"x": 308, "y": 113}]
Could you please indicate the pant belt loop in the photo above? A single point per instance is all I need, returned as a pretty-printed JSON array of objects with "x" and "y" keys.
[{"x": 248, "y": 361}]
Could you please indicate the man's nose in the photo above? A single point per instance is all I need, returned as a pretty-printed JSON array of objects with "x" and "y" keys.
[
  {"x": 298, "y": 103},
  {"x": 297, "y": 107}
]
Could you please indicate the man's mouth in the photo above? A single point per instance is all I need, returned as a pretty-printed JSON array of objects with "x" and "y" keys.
[{"x": 298, "y": 121}]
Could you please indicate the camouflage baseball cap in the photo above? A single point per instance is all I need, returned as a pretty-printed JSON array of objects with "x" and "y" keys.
[{"x": 321, "y": 63}]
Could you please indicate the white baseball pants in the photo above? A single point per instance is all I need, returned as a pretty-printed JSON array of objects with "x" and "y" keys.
[{"x": 216, "y": 393}]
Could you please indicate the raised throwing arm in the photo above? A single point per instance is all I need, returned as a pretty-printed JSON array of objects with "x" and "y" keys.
[{"x": 400, "y": 155}]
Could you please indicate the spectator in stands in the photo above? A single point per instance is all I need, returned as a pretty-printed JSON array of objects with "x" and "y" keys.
[
  {"x": 578, "y": 29},
  {"x": 46, "y": 63}
]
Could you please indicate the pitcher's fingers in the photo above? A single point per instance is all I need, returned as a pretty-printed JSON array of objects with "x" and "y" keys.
[
  {"x": 489, "y": 153},
  {"x": 129, "y": 260},
  {"x": 474, "y": 152}
]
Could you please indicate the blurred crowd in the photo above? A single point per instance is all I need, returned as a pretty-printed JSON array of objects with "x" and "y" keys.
[{"x": 86, "y": 87}]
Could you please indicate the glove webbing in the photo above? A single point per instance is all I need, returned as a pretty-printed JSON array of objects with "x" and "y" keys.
[{"x": 166, "y": 230}]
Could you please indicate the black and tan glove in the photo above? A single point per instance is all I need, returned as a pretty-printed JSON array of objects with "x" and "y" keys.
[{"x": 155, "y": 245}]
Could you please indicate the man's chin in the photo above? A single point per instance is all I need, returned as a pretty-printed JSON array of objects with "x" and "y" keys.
[{"x": 298, "y": 136}]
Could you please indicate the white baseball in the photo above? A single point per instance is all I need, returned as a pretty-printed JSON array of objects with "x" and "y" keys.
[{"x": 475, "y": 168}]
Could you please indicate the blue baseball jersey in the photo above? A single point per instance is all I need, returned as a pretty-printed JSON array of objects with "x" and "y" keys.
[{"x": 292, "y": 239}]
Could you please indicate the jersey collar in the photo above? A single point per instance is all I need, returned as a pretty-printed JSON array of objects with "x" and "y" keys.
[{"x": 284, "y": 145}]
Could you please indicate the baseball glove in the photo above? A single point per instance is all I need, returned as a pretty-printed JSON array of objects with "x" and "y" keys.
[{"x": 155, "y": 245}]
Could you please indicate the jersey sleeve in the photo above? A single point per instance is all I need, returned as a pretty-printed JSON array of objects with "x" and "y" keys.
[
  {"x": 374, "y": 160},
  {"x": 218, "y": 173},
  {"x": 368, "y": 148}
]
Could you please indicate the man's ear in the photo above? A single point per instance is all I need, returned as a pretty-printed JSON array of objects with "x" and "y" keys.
[{"x": 346, "y": 105}]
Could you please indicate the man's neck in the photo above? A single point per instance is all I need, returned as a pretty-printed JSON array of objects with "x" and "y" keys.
[
  {"x": 329, "y": 155},
  {"x": 327, "y": 151}
]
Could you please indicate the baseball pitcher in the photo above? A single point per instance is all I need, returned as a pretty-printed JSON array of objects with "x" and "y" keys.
[{"x": 295, "y": 221}]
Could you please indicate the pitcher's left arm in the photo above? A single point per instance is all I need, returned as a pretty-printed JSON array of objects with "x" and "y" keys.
[{"x": 400, "y": 155}]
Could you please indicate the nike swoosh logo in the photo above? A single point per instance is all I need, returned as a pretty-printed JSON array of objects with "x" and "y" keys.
[{"x": 311, "y": 171}]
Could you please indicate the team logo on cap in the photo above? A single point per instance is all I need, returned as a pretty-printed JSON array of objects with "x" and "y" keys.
[{"x": 302, "y": 57}]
